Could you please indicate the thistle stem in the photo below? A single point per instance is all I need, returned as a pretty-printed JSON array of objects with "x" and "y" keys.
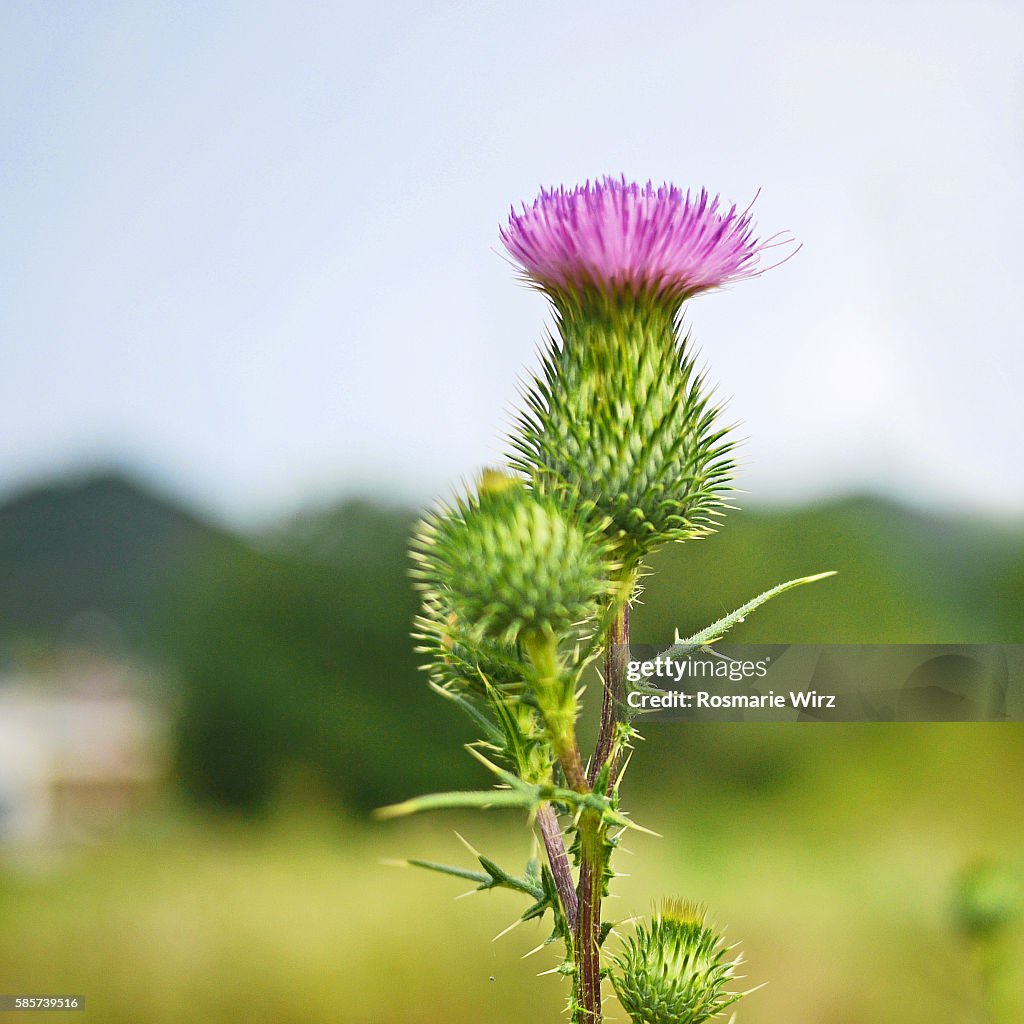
[
  {"x": 587, "y": 950},
  {"x": 557, "y": 708},
  {"x": 547, "y": 821},
  {"x": 592, "y": 838},
  {"x": 616, "y": 655}
]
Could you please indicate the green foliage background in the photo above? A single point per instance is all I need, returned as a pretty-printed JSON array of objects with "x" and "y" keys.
[
  {"x": 259, "y": 891},
  {"x": 297, "y": 654}
]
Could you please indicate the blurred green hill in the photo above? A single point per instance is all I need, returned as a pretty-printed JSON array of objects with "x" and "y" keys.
[
  {"x": 904, "y": 576},
  {"x": 96, "y": 544},
  {"x": 290, "y": 654}
]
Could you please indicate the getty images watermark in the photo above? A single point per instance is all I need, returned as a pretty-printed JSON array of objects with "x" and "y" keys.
[
  {"x": 703, "y": 667},
  {"x": 828, "y": 683}
]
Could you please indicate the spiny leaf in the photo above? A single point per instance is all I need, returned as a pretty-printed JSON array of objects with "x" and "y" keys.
[
  {"x": 492, "y": 877},
  {"x": 519, "y": 794},
  {"x": 540, "y": 887},
  {"x": 593, "y": 801},
  {"x": 500, "y": 877},
  {"x": 713, "y": 633},
  {"x": 459, "y": 800},
  {"x": 479, "y": 877}
]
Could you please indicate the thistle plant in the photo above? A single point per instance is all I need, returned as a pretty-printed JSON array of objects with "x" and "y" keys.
[{"x": 528, "y": 579}]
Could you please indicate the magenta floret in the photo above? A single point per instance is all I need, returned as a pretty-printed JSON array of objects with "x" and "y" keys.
[{"x": 617, "y": 236}]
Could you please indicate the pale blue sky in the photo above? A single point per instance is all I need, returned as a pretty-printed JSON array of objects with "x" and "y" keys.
[{"x": 252, "y": 248}]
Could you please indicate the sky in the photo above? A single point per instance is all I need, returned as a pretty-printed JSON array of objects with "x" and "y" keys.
[{"x": 251, "y": 250}]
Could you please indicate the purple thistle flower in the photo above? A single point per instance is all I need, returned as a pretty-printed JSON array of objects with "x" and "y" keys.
[{"x": 620, "y": 237}]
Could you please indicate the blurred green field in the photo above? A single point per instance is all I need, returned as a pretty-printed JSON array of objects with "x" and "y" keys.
[
  {"x": 829, "y": 852},
  {"x": 264, "y": 895}
]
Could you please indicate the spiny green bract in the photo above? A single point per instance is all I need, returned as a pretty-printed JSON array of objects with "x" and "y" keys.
[
  {"x": 675, "y": 971},
  {"x": 456, "y": 658},
  {"x": 486, "y": 680},
  {"x": 620, "y": 417},
  {"x": 510, "y": 562}
]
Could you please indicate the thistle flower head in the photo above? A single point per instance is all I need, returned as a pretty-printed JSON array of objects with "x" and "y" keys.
[
  {"x": 617, "y": 237},
  {"x": 508, "y": 562},
  {"x": 675, "y": 971}
]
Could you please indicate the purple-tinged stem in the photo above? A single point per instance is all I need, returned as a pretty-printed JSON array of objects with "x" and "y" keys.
[
  {"x": 592, "y": 839},
  {"x": 616, "y": 654},
  {"x": 547, "y": 820},
  {"x": 588, "y": 933},
  {"x": 559, "y": 721}
]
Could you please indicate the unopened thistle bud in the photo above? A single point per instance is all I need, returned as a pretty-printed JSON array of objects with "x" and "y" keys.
[
  {"x": 619, "y": 415},
  {"x": 509, "y": 563},
  {"x": 675, "y": 971}
]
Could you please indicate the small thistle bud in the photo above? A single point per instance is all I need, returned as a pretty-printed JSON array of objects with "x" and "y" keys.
[
  {"x": 509, "y": 563},
  {"x": 494, "y": 481},
  {"x": 676, "y": 970}
]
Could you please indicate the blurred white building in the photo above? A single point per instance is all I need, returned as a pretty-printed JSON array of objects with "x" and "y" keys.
[{"x": 80, "y": 750}]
